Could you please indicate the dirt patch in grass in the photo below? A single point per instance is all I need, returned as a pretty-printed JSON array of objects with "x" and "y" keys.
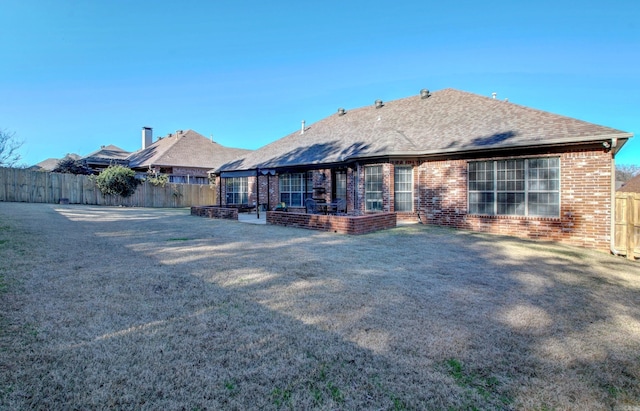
[{"x": 149, "y": 309}]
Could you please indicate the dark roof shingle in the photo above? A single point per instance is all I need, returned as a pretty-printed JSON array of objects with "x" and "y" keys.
[
  {"x": 184, "y": 149},
  {"x": 446, "y": 122}
]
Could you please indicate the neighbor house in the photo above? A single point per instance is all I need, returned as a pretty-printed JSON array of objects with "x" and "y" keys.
[
  {"x": 447, "y": 158},
  {"x": 51, "y": 163},
  {"x": 105, "y": 157},
  {"x": 185, "y": 156}
]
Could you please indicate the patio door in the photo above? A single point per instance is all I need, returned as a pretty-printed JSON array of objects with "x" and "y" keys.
[{"x": 339, "y": 185}]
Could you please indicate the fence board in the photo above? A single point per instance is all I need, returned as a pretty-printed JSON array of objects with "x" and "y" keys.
[
  {"x": 627, "y": 224},
  {"x": 22, "y": 185}
]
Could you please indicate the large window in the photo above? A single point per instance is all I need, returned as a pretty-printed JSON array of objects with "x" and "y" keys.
[
  {"x": 403, "y": 188},
  {"x": 528, "y": 187},
  {"x": 373, "y": 188},
  {"x": 237, "y": 190},
  {"x": 295, "y": 188}
]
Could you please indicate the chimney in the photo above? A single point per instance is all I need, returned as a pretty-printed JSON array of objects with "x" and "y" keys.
[{"x": 147, "y": 137}]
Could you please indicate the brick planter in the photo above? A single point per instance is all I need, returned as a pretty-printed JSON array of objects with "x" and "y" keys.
[
  {"x": 338, "y": 224},
  {"x": 215, "y": 212}
]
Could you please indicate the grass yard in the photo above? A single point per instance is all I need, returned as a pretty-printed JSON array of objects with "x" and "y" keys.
[{"x": 146, "y": 309}]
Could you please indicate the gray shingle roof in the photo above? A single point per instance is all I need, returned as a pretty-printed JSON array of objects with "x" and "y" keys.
[
  {"x": 51, "y": 163},
  {"x": 107, "y": 154},
  {"x": 186, "y": 149},
  {"x": 446, "y": 122}
]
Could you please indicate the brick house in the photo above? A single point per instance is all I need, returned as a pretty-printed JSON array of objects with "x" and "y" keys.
[
  {"x": 185, "y": 156},
  {"x": 447, "y": 158},
  {"x": 104, "y": 157}
]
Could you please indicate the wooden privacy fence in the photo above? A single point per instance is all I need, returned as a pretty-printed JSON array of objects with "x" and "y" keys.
[
  {"x": 627, "y": 224},
  {"x": 21, "y": 185}
]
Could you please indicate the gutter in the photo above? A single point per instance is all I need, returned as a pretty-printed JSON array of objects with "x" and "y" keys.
[{"x": 560, "y": 142}]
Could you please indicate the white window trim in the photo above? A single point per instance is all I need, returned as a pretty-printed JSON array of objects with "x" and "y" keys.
[{"x": 526, "y": 188}]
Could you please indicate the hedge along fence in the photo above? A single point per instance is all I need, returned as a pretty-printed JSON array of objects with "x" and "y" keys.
[{"x": 21, "y": 185}]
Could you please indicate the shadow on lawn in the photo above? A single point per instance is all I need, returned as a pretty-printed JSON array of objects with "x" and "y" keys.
[{"x": 287, "y": 318}]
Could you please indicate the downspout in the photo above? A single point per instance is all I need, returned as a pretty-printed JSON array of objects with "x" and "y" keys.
[
  {"x": 612, "y": 217},
  {"x": 220, "y": 191}
]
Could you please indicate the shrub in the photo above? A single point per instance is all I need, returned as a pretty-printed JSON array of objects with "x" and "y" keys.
[
  {"x": 71, "y": 166},
  {"x": 158, "y": 180},
  {"x": 117, "y": 180}
]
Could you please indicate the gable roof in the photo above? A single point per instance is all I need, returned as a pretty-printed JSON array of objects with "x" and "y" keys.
[
  {"x": 107, "y": 155},
  {"x": 51, "y": 163},
  {"x": 184, "y": 149},
  {"x": 631, "y": 186},
  {"x": 448, "y": 121}
]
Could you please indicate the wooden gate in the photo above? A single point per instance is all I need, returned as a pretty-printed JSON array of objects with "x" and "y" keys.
[{"x": 627, "y": 224}]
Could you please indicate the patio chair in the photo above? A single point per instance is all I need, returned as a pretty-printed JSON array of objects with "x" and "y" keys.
[
  {"x": 311, "y": 206},
  {"x": 341, "y": 206}
]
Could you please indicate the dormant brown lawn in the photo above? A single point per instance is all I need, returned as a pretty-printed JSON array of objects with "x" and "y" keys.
[{"x": 146, "y": 309}]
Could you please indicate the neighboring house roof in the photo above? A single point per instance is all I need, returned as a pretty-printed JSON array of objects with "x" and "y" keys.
[
  {"x": 51, "y": 163},
  {"x": 184, "y": 149},
  {"x": 631, "y": 186},
  {"x": 107, "y": 155},
  {"x": 448, "y": 121}
]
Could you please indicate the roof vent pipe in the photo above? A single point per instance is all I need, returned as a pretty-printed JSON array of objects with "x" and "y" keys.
[
  {"x": 341, "y": 111},
  {"x": 424, "y": 93},
  {"x": 379, "y": 103},
  {"x": 302, "y": 127},
  {"x": 494, "y": 94}
]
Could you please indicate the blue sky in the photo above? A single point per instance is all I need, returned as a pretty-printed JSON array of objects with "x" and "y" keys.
[{"x": 76, "y": 75}]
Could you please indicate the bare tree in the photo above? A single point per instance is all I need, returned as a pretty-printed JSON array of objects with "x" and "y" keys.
[
  {"x": 625, "y": 172},
  {"x": 9, "y": 146}
]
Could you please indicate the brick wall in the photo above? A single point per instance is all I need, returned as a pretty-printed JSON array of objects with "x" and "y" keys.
[
  {"x": 585, "y": 202},
  {"x": 215, "y": 212},
  {"x": 338, "y": 224}
]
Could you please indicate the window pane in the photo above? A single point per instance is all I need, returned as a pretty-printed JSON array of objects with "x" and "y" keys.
[
  {"x": 544, "y": 187},
  {"x": 481, "y": 184},
  {"x": 293, "y": 188},
  {"x": 373, "y": 188},
  {"x": 309, "y": 177},
  {"x": 237, "y": 190},
  {"x": 481, "y": 203},
  {"x": 403, "y": 193},
  {"x": 544, "y": 204},
  {"x": 511, "y": 204},
  {"x": 516, "y": 187}
]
